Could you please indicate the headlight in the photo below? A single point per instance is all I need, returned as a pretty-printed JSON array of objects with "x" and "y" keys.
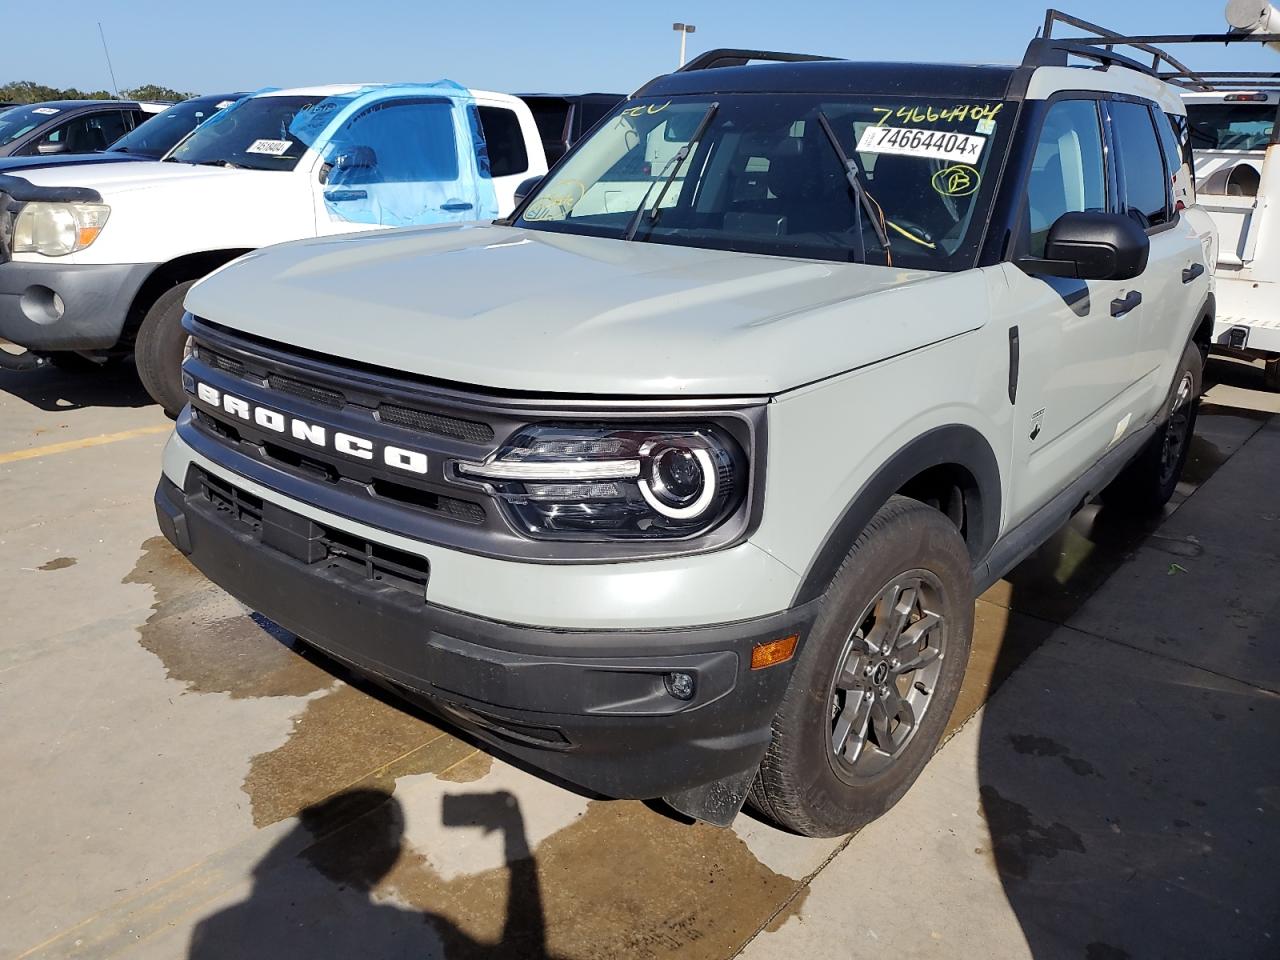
[
  {"x": 596, "y": 482},
  {"x": 56, "y": 229}
]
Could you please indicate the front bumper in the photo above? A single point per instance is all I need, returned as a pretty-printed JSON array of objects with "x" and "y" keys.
[
  {"x": 95, "y": 302},
  {"x": 589, "y": 706}
]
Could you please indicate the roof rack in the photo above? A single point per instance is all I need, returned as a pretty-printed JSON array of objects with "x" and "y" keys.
[
  {"x": 731, "y": 57},
  {"x": 1099, "y": 46}
]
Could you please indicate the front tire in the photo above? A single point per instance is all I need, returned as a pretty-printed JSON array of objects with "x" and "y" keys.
[
  {"x": 158, "y": 349},
  {"x": 877, "y": 678}
]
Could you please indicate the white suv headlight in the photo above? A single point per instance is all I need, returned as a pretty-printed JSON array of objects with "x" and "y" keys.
[{"x": 56, "y": 229}]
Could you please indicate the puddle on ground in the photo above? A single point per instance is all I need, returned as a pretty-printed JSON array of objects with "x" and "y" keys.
[
  {"x": 1016, "y": 837},
  {"x": 58, "y": 563},
  {"x": 207, "y": 641},
  {"x": 341, "y": 738},
  {"x": 620, "y": 880}
]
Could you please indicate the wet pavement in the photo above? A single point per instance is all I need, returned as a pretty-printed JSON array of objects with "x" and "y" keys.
[{"x": 186, "y": 779}]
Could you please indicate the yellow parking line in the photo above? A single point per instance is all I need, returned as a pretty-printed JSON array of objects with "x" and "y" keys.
[{"x": 14, "y": 456}]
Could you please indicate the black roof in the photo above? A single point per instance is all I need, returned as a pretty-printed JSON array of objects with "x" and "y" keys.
[
  {"x": 840, "y": 77},
  {"x": 61, "y": 105}
]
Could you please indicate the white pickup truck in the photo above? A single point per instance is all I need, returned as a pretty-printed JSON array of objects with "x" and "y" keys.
[
  {"x": 1238, "y": 182},
  {"x": 97, "y": 261}
]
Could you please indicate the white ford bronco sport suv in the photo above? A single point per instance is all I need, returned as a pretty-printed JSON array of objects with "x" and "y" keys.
[
  {"x": 680, "y": 482},
  {"x": 95, "y": 261}
]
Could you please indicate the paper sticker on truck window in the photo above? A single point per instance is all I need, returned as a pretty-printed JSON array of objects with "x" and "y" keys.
[
  {"x": 272, "y": 148},
  {"x": 45, "y": 111},
  {"x": 223, "y": 104},
  {"x": 934, "y": 144}
]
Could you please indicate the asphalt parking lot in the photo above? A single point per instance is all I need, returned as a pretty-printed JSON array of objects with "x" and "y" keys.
[{"x": 183, "y": 778}]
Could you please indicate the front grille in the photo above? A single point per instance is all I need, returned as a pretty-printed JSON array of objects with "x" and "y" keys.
[
  {"x": 6, "y": 227},
  {"x": 363, "y": 558},
  {"x": 315, "y": 468},
  {"x": 226, "y": 364},
  {"x": 307, "y": 391},
  {"x": 471, "y": 431}
]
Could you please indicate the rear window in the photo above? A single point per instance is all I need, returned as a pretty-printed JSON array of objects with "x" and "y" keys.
[{"x": 1231, "y": 126}]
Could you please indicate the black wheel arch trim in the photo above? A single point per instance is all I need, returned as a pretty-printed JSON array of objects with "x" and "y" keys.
[{"x": 950, "y": 445}]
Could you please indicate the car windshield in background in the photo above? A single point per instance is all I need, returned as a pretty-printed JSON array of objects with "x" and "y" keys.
[
  {"x": 763, "y": 176},
  {"x": 1231, "y": 126},
  {"x": 253, "y": 133},
  {"x": 16, "y": 121},
  {"x": 157, "y": 136}
]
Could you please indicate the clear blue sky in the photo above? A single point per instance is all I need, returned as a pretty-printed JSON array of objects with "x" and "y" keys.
[{"x": 561, "y": 45}]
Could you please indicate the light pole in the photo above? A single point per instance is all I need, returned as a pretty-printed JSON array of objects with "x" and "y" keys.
[{"x": 684, "y": 29}]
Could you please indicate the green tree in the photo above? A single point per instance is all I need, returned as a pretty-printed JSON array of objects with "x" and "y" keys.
[
  {"x": 28, "y": 91},
  {"x": 152, "y": 91}
]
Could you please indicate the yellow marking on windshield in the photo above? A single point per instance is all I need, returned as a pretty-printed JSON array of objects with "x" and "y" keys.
[{"x": 956, "y": 113}]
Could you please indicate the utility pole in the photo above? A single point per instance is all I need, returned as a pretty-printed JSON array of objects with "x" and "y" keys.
[
  {"x": 110, "y": 69},
  {"x": 684, "y": 29}
]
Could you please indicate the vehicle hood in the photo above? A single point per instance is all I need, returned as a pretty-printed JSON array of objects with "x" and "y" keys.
[
  {"x": 113, "y": 179},
  {"x": 537, "y": 311},
  {"x": 18, "y": 164}
]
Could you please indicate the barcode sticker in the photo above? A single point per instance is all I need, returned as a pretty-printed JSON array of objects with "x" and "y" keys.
[{"x": 914, "y": 142}]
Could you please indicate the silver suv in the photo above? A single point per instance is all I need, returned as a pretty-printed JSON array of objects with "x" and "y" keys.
[{"x": 681, "y": 481}]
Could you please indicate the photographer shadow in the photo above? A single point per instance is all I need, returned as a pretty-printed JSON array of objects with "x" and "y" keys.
[{"x": 316, "y": 892}]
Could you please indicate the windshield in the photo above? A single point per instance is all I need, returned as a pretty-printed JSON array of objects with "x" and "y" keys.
[
  {"x": 1231, "y": 126},
  {"x": 253, "y": 133},
  {"x": 765, "y": 177},
  {"x": 157, "y": 136},
  {"x": 17, "y": 121}
]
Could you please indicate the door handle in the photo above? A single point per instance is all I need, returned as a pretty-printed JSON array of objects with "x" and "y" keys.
[
  {"x": 454, "y": 207},
  {"x": 1191, "y": 272},
  {"x": 338, "y": 196},
  {"x": 1119, "y": 307}
]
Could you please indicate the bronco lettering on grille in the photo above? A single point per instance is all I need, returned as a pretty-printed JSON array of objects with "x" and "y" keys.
[{"x": 315, "y": 434}]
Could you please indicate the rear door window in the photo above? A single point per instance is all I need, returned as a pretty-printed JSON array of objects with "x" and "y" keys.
[
  {"x": 1145, "y": 182},
  {"x": 504, "y": 141}
]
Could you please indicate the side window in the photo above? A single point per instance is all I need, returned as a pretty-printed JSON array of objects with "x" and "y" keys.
[
  {"x": 1181, "y": 131},
  {"x": 505, "y": 141},
  {"x": 1068, "y": 174},
  {"x": 397, "y": 141},
  {"x": 88, "y": 134},
  {"x": 1145, "y": 185}
]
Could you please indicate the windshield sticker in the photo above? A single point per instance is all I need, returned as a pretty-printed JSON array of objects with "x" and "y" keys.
[
  {"x": 986, "y": 126},
  {"x": 959, "y": 180},
  {"x": 958, "y": 113},
  {"x": 272, "y": 148},
  {"x": 45, "y": 111},
  {"x": 223, "y": 104},
  {"x": 909, "y": 142}
]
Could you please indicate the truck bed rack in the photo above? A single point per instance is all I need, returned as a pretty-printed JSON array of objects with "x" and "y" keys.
[{"x": 1099, "y": 43}]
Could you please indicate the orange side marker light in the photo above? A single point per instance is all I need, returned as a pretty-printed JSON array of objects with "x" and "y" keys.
[{"x": 774, "y": 652}]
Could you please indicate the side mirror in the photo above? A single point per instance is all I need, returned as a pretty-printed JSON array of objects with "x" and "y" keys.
[
  {"x": 1092, "y": 246},
  {"x": 526, "y": 187},
  {"x": 48, "y": 149}
]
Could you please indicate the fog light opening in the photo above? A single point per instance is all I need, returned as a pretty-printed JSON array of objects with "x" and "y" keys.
[
  {"x": 681, "y": 685},
  {"x": 774, "y": 652}
]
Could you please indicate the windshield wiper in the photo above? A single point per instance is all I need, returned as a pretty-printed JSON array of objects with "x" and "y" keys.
[
  {"x": 217, "y": 163},
  {"x": 675, "y": 163},
  {"x": 854, "y": 176}
]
